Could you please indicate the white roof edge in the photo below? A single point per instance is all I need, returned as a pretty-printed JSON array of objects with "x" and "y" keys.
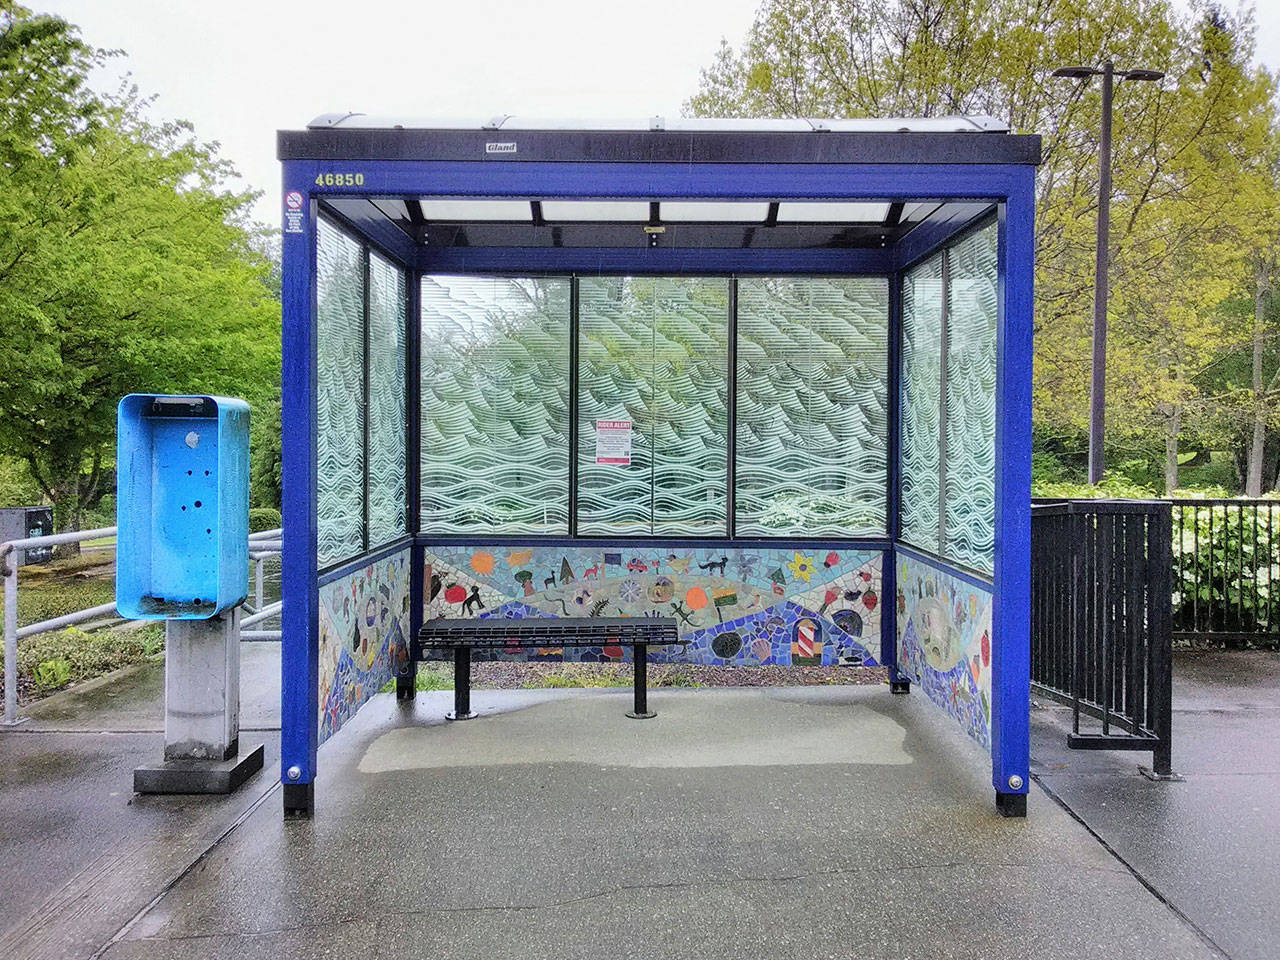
[{"x": 504, "y": 122}]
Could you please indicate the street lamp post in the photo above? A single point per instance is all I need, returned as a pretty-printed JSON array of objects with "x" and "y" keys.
[{"x": 1102, "y": 262}]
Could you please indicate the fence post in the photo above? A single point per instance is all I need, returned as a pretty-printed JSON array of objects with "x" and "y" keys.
[
  {"x": 1160, "y": 616},
  {"x": 1081, "y": 606},
  {"x": 9, "y": 563}
]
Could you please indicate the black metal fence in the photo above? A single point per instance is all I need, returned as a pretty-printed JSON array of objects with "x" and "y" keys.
[
  {"x": 1226, "y": 558},
  {"x": 1100, "y": 621}
]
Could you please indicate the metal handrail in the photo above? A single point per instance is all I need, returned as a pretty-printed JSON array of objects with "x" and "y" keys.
[
  {"x": 262, "y": 546},
  {"x": 266, "y": 613}
]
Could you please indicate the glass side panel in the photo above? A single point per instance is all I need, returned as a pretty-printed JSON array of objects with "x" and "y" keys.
[
  {"x": 339, "y": 395},
  {"x": 653, "y": 405},
  {"x": 812, "y": 438},
  {"x": 386, "y": 401},
  {"x": 971, "y": 400},
  {"x": 921, "y": 398},
  {"x": 495, "y": 405}
]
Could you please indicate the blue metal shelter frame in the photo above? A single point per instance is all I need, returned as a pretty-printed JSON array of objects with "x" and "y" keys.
[{"x": 320, "y": 165}]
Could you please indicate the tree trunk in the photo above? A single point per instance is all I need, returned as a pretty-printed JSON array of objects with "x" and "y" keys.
[
  {"x": 68, "y": 515},
  {"x": 1172, "y": 425},
  {"x": 1253, "y": 476}
]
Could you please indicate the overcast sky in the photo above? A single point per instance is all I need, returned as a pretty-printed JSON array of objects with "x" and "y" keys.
[{"x": 241, "y": 69}]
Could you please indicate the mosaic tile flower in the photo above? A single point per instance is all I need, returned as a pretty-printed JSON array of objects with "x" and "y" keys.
[{"x": 801, "y": 567}]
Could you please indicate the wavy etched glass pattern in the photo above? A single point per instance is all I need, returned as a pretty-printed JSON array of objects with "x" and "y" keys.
[
  {"x": 812, "y": 437},
  {"x": 495, "y": 405},
  {"x": 654, "y": 351},
  {"x": 339, "y": 395},
  {"x": 972, "y": 304},
  {"x": 921, "y": 403},
  {"x": 386, "y": 401}
]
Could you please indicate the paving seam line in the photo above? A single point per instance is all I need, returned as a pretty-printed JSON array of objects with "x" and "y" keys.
[
  {"x": 186, "y": 871},
  {"x": 1133, "y": 871},
  {"x": 30, "y": 731}
]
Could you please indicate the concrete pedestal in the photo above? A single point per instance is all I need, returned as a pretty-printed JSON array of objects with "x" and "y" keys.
[{"x": 201, "y": 711}]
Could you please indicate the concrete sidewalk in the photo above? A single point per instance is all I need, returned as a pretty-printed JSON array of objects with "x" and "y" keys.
[
  {"x": 784, "y": 822},
  {"x": 741, "y": 823},
  {"x": 1209, "y": 844},
  {"x": 79, "y": 852}
]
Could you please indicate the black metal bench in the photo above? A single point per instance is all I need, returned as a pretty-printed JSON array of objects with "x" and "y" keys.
[{"x": 463, "y": 636}]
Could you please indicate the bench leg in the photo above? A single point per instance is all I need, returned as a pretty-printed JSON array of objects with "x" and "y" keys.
[
  {"x": 640, "y": 656},
  {"x": 461, "y": 685}
]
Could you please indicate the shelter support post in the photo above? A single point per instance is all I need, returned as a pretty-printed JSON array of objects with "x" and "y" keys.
[
  {"x": 898, "y": 682},
  {"x": 300, "y": 624},
  {"x": 1011, "y": 604},
  {"x": 406, "y": 683},
  {"x": 407, "y": 668}
]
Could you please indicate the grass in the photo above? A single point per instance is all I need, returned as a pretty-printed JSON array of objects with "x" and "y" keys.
[
  {"x": 556, "y": 676},
  {"x": 43, "y": 596},
  {"x": 433, "y": 678},
  {"x": 428, "y": 678},
  {"x": 574, "y": 675}
]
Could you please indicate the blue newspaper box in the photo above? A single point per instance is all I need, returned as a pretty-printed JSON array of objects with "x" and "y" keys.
[{"x": 182, "y": 506}]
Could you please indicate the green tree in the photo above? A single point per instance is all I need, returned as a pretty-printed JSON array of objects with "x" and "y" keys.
[
  {"x": 1193, "y": 189},
  {"x": 125, "y": 265}
]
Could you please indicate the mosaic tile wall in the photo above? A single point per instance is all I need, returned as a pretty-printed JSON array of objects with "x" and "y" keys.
[
  {"x": 364, "y": 629},
  {"x": 944, "y": 642},
  {"x": 734, "y": 605}
]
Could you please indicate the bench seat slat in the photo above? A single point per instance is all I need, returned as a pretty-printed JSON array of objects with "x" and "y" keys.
[{"x": 536, "y": 632}]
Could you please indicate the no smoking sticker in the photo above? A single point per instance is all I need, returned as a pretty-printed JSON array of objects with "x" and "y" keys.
[{"x": 293, "y": 212}]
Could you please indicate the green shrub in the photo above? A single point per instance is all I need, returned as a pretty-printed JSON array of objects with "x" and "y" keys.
[
  {"x": 263, "y": 518},
  {"x": 53, "y": 674},
  {"x": 1226, "y": 566},
  {"x": 1112, "y": 487}
]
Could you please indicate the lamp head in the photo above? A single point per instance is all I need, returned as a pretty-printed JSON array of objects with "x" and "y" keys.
[{"x": 1076, "y": 73}]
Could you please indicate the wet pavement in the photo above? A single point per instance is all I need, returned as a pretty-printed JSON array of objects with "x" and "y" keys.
[
  {"x": 766, "y": 822},
  {"x": 1210, "y": 843},
  {"x": 79, "y": 852}
]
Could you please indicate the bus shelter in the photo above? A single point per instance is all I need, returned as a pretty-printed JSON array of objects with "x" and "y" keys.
[{"x": 771, "y": 378}]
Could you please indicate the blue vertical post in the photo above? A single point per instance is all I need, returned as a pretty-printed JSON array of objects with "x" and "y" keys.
[
  {"x": 300, "y": 666},
  {"x": 893, "y": 507},
  {"x": 1011, "y": 606}
]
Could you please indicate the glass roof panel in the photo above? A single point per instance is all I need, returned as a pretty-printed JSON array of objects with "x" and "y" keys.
[
  {"x": 831, "y": 211},
  {"x": 912, "y": 212},
  {"x": 712, "y": 211},
  {"x": 481, "y": 209},
  {"x": 634, "y": 211}
]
